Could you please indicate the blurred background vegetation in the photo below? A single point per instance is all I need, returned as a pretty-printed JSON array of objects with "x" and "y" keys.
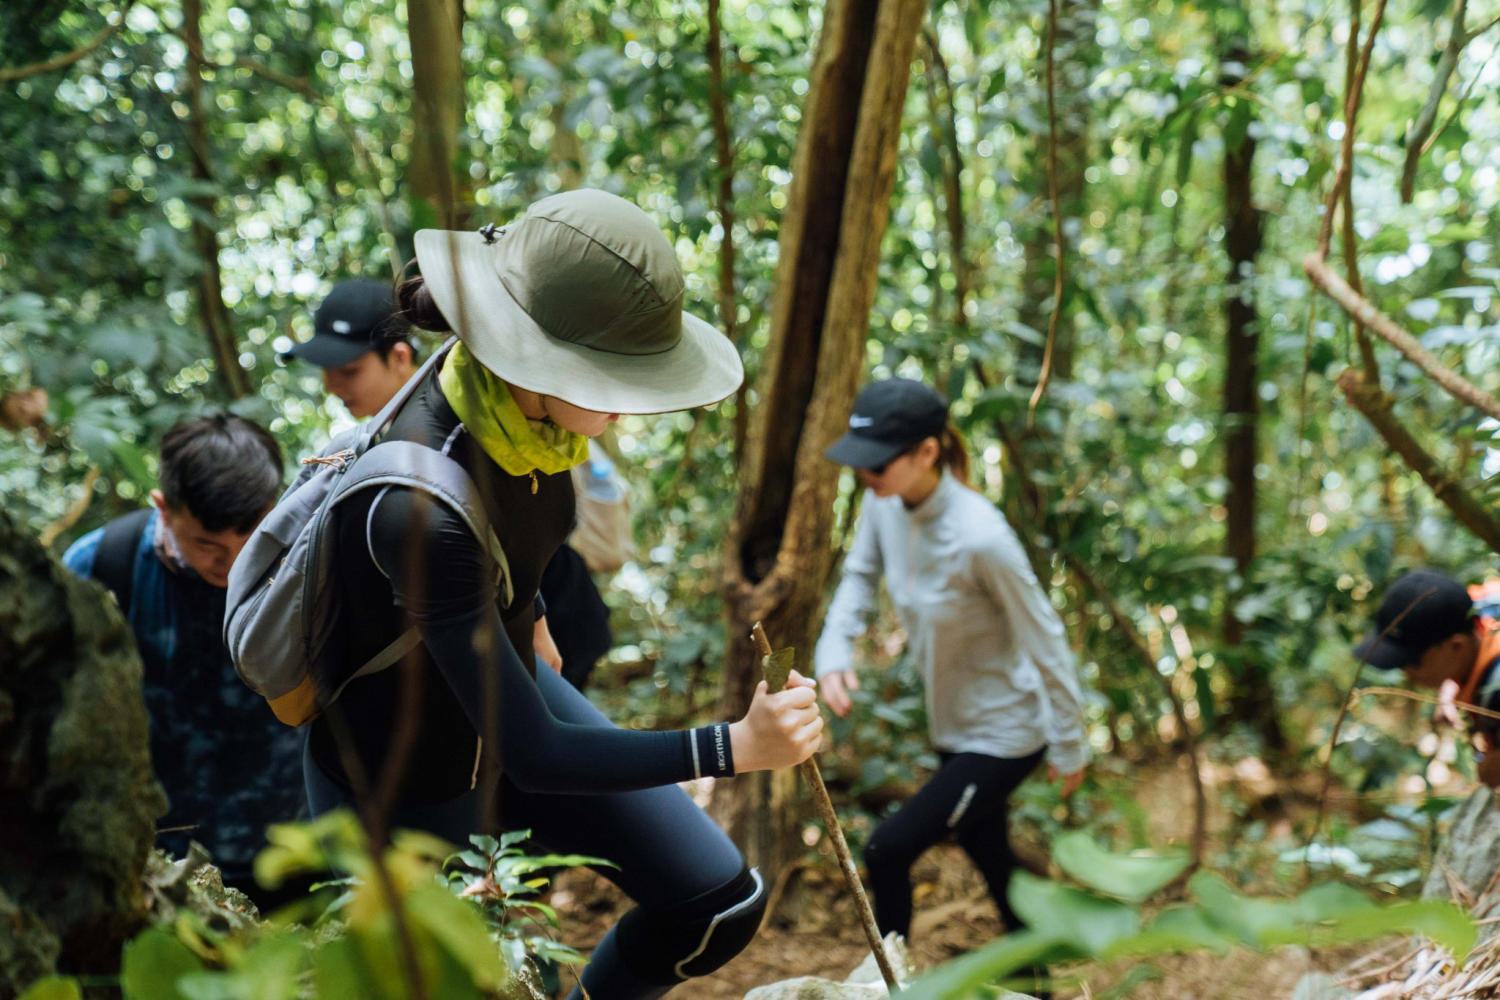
[{"x": 182, "y": 180}]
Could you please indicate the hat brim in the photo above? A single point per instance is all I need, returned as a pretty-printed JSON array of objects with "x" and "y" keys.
[
  {"x": 328, "y": 351},
  {"x": 458, "y": 268},
  {"x": 861, "y": 452},
  {"x": 1384, "y": 653}
]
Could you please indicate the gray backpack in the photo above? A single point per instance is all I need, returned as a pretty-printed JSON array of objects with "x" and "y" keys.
[{"x": 283, "y": 605}]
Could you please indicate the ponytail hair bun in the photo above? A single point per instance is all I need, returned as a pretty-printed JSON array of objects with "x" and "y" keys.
[{"x": 419, "y": 307}]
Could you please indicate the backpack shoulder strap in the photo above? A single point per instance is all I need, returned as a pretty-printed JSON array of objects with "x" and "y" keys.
[
  {"x": 114, "y": 562},
  {"x": 407, "y": 463}
]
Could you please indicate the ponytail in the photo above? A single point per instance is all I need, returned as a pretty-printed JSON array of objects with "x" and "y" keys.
[
  {"x": 953, "y": 453},
  {"x": 419, "y": 307}
]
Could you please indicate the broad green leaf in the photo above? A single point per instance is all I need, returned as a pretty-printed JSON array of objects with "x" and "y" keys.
[
  {"x": 457, "y": 926},
  {"x": 963, "y": 977},
  {"x": 153, "y": 963},
  {"x": 338, "y": 971},
  {"x": 1442, "y": 922},
  {"x": 1133, "y": 877},
  {"x": 53, "y": 988},
  {"x": 1176, "y": 930},
  {"x": 1244, "y": 917},
  {"x": 1064, "y": 914}
]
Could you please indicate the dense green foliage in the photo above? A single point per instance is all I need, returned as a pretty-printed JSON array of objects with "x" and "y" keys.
[{"x": 308, "y": 116}]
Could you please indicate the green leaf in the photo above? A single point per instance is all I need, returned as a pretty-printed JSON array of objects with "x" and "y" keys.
[
  {"x": 1185, "y": 147},
  {"x": 53, "y": 988},
  {"x": 153, "y": 963},
  {"x": 339, "y": 972},
  {"x": 1247, "y": 919},
  {"x": 963, "y": 976},
  {"x": 1070, "y": 916},
  {"x": 457, "y": 927},
  {"x": 778, "y": 667},
  {"x": 1133, "y": 877},
  {"x": 1332, "y": 923},
  {"x": 1176, "y": 930}
]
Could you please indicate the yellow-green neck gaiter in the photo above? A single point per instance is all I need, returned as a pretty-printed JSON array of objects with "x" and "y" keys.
[{"x": 518, "y": 445}]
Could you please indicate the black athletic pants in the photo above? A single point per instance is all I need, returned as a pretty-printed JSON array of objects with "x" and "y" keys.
[
  {"x": 968, "y": 797},
  {"x": 695, "y": 905}
]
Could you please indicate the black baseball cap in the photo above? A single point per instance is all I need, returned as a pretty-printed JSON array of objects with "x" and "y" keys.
[
  {"x": 1420, "y": 609},
  {"x": 889, "y": 417},
  {"x": 356, "y": 316}
]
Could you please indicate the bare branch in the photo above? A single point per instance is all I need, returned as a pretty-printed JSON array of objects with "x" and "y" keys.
[
  {"x": 1375, "y": 404},
  {"x": 63, "y": 61},
  {"x": 1421, "y": 127},
  {"x": 718, "y": 105},
  {"x": 1057, "y": 220},
  {"x": 1356, "y": 86},
  {"x": 74, "y": 512},
  {"x": 1360, "y": 308}
]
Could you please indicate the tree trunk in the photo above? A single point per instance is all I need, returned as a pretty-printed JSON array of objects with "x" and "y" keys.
[
  {"x": 211, "y": 309},
  {"x": 778, "y": 552},
  {"x": 1251, "y": 700},
  {"x": 439, "y": 181}
]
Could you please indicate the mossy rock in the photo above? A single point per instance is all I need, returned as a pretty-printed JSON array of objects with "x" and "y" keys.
[{"x": 76, "y": 788}]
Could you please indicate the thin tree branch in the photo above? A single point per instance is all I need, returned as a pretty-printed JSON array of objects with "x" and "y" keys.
[
  {"x": 1186, "y": 738},
  {"x": 1057, "y": 220},
  {"x": 1333, "y": 738},
  {"x": 74, "y": 512},
  {"x": 1458, "y": 105},
  {"x": 952, "y": 185},
  {"x": 10, "y": 73},
  {"x": 1351, "y": 242},
  {"x": 718, "y": 105},
  {"x": 1359, "y": 307},
  {"x": 1351, "y": 111},
  {"x": 1375, "y": 404},
  {"x": 1420, "y": 128}
]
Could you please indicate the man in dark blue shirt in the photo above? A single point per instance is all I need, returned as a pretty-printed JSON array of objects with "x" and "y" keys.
[{"x": 228, "y": 766}]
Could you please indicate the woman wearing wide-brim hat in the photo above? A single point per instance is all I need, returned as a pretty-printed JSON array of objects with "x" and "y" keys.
[{"x": 566, "y": 319}]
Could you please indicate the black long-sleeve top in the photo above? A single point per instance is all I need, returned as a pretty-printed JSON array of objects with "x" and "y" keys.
[{"x": 406, "y": 559}]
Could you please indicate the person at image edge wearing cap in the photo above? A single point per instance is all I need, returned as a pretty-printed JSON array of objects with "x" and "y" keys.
[
  {"x": 360, "y": 341},
  {"x": 1446, "y": 636},
  {"x": 565, "y": 319},
  {"x": 1001, "y": 686}
]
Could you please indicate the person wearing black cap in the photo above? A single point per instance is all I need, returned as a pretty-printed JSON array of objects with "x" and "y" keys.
[
  {"x": 1444, "y": 635},
  {"x": 362, "y": 343},
  {"x": 1001, "y": 685}
]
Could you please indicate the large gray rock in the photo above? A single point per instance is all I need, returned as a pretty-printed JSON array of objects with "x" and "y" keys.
[
  {"x": 78, "y": 802},
  {"x": 1468, "y": 859},
  {"x": 864, "y": 983},
  {"x": 1320, "y": 986}
]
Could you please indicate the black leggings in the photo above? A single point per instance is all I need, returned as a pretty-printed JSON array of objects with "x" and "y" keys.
[
  {"x": 696, "y": 905},
  {"x": 969, "y": 797}
]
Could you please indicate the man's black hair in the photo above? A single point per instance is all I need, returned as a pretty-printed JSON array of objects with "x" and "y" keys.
[{"x": 223, "y": 469}]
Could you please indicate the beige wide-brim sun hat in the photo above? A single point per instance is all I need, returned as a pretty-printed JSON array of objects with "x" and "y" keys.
[{"x": 580, "y": 299}]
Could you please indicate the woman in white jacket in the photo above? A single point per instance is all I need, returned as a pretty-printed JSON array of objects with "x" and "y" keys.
[{"x": 1001, "y": 685}]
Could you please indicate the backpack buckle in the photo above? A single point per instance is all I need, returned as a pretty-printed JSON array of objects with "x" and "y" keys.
[{"x": 339, "y": 459}]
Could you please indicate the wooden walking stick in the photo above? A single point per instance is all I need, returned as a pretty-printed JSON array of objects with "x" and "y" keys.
[{"x": 777, "y": 665}]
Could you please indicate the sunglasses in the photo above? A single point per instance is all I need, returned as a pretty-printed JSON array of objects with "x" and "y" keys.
[{"x": 879, "y": 470}]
